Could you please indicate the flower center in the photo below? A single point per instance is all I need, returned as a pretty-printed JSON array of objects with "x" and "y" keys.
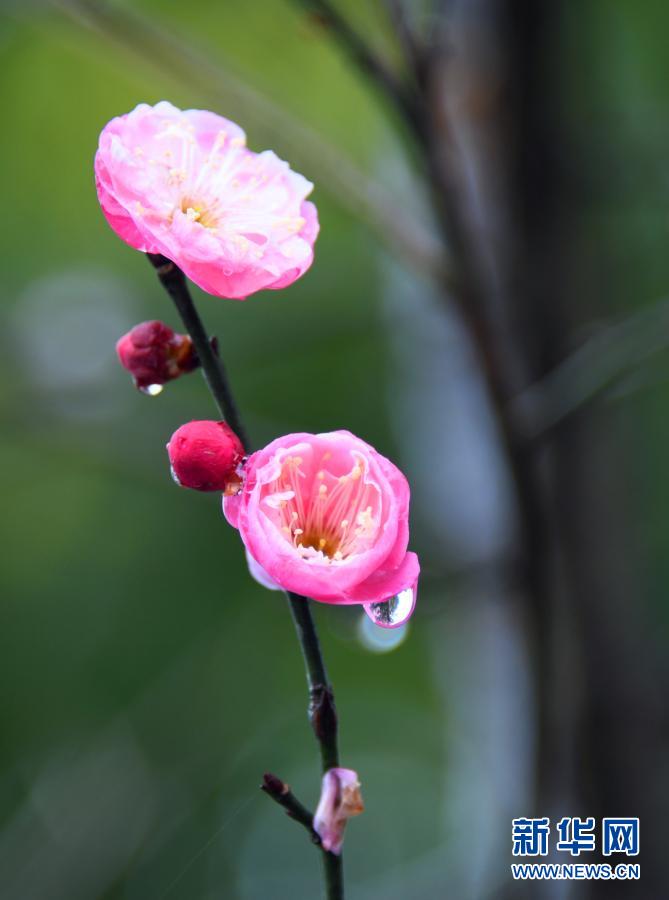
[
  {"x": 199, "y": 212},
  {"x": 324, "y": 515},
  {"x": 327, "y": 544}
]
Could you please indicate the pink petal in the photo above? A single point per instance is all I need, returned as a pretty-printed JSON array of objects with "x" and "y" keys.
[
  {"x": 340, "y": 800},
  {"x": 260, "y": 575}
]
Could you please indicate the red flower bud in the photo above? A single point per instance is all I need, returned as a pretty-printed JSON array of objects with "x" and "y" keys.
[
  {"x": 206, "y": 456},
  {"x": 154, "y": 354}
]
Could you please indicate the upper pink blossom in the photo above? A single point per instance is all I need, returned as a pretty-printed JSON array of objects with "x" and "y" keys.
[
  {"x": 184, "y": 184},
  {"x": 326, "y": 516},
  {"x": 340, "y": 800}
]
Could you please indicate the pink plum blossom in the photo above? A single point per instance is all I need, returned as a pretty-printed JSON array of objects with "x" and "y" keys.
[
  {"x": 340, "y": 800},
  {"x": 184, "y": 184},
  {"x": 326, "y": 516}
]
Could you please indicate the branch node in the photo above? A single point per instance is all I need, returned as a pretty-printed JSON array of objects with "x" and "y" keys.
[{"x": 322, "y": 711}]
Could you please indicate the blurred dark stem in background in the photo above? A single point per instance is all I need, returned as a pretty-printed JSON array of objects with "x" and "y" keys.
[
  {"x": 598, "y": 710},
  {"x": 602, "y": 710}
]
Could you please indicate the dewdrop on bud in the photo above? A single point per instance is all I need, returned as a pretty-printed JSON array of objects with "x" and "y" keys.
[
  {"x": 206, "y": 456},
  {"x": 154, "y": 354}
]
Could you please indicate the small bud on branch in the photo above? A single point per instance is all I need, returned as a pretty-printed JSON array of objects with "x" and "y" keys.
[
  {"x": 154, "y": 354},
  {"x": 206, "y": 456}
]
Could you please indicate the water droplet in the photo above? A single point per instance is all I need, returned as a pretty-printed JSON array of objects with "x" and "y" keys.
[
  {"x": 152, "y": 389},
  {"x": 380, "y": 640},
  {"x": 394, "y": 611}
]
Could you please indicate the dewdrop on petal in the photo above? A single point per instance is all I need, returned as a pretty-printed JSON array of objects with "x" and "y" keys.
[
  {"x": 395, "y": 611},
  {"x": 340, "y": 800},
  {"x": 206, "y": 456},
  {"x": 154, "y": 354}
]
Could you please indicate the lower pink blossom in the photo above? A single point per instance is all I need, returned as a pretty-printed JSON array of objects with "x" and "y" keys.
[
  {"x": 326, "y": 516},
  {"x": 340, "y": 800}
]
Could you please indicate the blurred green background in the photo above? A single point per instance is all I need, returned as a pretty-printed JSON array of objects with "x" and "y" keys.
[{"x": 147, "y": 681}]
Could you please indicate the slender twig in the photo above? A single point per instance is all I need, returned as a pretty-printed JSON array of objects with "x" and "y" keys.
[
  {"x": 369, "y": 62},
  {"x": 281, "y": 793},
  {"x": 323, "y": 718},
  {"x": 322, "y": 713},
  {"x": 174, "y": 282},
  {"x": 333, "y": 875}
]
